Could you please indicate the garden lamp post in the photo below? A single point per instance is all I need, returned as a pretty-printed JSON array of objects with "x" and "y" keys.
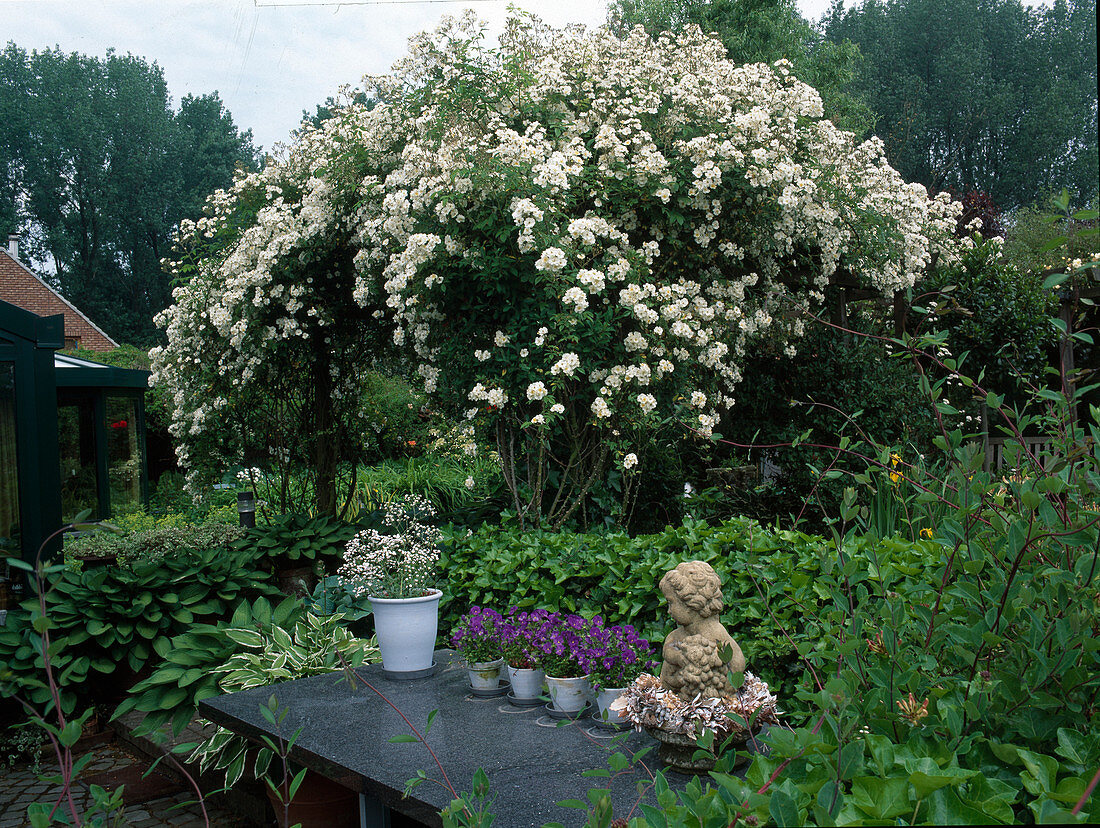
[{"x": 246, "y": 508}]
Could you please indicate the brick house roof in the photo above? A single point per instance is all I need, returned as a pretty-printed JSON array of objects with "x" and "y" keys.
[{"x": 21, "y": 287}]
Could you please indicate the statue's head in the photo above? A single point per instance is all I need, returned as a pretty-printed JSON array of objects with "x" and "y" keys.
[{"x": 693, "y": 591}]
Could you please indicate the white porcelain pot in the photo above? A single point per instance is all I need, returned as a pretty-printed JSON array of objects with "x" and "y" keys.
[
  {"x": 526, "y": 682},
  {"x": 485, "y": 675},
  {"x": 568, "y": 695},
  {"x": 604, "y": 700},
  {"x": 406, "y": 629}
]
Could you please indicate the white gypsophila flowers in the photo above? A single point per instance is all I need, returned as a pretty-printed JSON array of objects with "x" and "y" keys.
[{"x": 397, "y": 563}]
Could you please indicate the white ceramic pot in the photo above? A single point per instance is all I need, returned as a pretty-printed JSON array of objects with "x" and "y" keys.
[
  {"x": 485, "y": 675},
  {"x": 604, "y": 700},
  {"x": 406, "y": 629},
  {"x": 568, "y": 695},
  {"x": 526, "y": 682}
]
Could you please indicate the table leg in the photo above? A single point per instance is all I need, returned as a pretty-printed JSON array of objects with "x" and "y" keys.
[{"x": 372, "y": 813}]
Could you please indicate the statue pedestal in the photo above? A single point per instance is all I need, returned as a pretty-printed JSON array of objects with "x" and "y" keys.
[{"x": 678, "y": 752}]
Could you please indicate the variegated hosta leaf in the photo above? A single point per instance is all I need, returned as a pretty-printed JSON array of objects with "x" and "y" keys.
[
  {"x": 246, "y": 638},
  {"x": 263, "y": 761},
  {"x": 235, "y": 769}
]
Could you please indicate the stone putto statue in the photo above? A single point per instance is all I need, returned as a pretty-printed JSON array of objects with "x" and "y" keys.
[{"x": 693, "y": 662}]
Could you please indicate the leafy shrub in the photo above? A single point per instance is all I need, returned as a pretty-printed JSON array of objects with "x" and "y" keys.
[
  {"x": 617, "y": 576},
  {"x": 97, "y": 544},
  {"x": 837, "y": 385},
  {"x": 959, "y": 688},
  {"x": 1030, "y": 243},
  {"x": 295, "y": 540},
  {"x": 154, "y": 544},
  {"x": 996, "y": 313},
  {"x": 106, "y": 620},
  {"x": 396, "y": 423},
  {"x": 979, "y": 213}
]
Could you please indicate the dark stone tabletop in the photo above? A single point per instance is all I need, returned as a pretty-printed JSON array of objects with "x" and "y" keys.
[{"x": 532, "y": 763}]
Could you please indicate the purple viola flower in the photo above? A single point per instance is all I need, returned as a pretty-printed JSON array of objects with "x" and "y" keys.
[{"x": 478, "y": 635}]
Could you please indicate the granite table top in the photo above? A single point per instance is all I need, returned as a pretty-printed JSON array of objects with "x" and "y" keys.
[{"x": 532, "y": 761}]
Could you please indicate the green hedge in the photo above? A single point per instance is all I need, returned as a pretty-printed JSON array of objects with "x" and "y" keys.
[{"x": 617, "y": 576}]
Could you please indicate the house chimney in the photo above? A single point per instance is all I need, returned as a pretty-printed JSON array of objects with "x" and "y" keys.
[{"x": 13, "y": 245}]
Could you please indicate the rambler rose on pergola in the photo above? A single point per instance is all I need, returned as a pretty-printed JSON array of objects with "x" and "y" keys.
[{"x": 573, "y": 235}]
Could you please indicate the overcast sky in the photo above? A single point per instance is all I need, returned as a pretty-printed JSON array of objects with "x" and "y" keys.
[{"x": 268, "y": 59}]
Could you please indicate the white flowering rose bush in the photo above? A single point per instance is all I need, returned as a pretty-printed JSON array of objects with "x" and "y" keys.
[
  {"x": 575, "y": 237},
  {"x": 586, "y": 233},
  {"x": 267, "y": 349}
]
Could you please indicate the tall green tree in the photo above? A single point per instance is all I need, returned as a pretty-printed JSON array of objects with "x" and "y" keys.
[
  {"x": 756, "y": 31},
  {"x": 985, "y": 95},
  {"x": 96, "y": 169}
]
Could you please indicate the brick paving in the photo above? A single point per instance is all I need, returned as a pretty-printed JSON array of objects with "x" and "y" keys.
[{"x": 21, "y": 787}]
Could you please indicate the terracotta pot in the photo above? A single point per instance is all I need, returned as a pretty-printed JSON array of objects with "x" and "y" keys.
[{"x": 318, "y": 803}]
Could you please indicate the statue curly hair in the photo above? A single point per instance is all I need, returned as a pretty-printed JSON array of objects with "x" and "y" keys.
[{"x": 697, "y": 585}]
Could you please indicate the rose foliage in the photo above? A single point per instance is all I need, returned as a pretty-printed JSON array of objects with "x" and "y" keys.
[{"x": 571, "y": 236}]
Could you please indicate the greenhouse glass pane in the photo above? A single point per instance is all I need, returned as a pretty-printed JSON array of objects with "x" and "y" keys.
[
  {"x": 123, "y": 454},
  {"x": 76, "y": 447}
]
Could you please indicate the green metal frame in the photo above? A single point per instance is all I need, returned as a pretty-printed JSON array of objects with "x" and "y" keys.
[
  {"x": 98, "y": 384},
  {"x": 30, "y": 341}
]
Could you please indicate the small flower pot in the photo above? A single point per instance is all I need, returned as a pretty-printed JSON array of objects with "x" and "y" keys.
[
  {"x": 406, "y": 629},
  {"x": 568, "y": 695},
  {"x": 526, "y": 682},
  {"x": 604, "y": 700},
  {"x": 485, "y": 675}
]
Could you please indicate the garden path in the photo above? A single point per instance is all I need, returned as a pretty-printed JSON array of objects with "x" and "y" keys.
[{"x": 21, "y": 787}]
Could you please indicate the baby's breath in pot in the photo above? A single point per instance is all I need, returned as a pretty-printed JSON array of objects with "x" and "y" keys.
[{"x": 398, "y": 561}]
